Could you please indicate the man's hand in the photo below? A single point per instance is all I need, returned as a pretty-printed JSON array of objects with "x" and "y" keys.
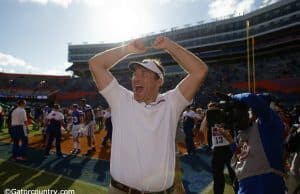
[
  {"x": 192, "y": 64},
  {"x": 161, "y": 42},
  {"x": 136, "y": 47}
]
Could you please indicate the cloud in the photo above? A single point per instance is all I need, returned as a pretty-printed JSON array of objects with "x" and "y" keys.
[
  {"x": 61, "y": 70},
  {"x": 97, "y": 3},
  {"x": 9, "y": 60},
  {"x": 222, "y": 8},
  {"x": 11, "y": 64},
  {"x": 65, "y": 3},
  {"x": 58, "y": 70},
  {"x": 267, "y": 2}
]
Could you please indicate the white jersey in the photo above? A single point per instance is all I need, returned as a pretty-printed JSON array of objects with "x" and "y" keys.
[{"x": 55, "y": 115}]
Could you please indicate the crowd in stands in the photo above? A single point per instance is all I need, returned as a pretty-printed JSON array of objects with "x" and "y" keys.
[{"x": 220, "y": 78}]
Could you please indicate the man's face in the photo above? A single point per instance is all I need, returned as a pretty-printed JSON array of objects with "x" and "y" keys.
[
  {"x": 145, "y": 84},
  {"x": 81, "y": 103},
  {"x": 24, "y": 104}
]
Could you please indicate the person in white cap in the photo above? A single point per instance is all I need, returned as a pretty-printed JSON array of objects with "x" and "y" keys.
[{"x": 145, "y": 121}]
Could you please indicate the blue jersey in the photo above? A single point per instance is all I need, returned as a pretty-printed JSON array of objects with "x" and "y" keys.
[
  {"x": 76, "y": 117},
  {"x": 270, "y": 139},
  {"x": 270, "y": 126}
]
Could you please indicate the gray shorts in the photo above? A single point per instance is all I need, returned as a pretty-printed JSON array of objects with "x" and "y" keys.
[
  {"x": 75, "y": 131},
  {"x": 90, "y": 128}
]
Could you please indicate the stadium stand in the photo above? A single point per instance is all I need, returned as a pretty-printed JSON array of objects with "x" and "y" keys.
[{"x": 222, "y": 44}]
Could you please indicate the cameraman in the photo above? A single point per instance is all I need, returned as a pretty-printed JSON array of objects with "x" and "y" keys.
[
  {"x": 258, "y": 159},
  {"x": 293, "y": 149},
  {"x": 221, "y": 151}
]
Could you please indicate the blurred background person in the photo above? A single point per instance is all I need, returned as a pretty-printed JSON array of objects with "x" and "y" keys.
[
  {"x": 19, "y": 131},
  {"x": 55, "y": 120}
]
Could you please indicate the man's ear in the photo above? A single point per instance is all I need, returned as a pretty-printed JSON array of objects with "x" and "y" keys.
[{"x": 161, "y": 82}]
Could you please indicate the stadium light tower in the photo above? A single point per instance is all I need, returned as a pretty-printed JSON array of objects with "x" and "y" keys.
[
  {"x": 253, "y": 66},
  {"x": 248, "y": 57}
]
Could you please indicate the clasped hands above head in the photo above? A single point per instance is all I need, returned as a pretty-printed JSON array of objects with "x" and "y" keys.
[{"x": 139, "y": 46}]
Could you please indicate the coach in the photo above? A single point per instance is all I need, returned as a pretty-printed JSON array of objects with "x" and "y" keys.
[{"x": 144, "y": 121}]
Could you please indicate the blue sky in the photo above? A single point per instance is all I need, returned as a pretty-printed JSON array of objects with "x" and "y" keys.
[{"x": 34, "y": 34}]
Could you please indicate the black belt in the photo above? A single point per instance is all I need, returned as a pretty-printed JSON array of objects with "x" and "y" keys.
[
  {"x": 15, "y": 126},
  {"x": 130, "y": 190}
]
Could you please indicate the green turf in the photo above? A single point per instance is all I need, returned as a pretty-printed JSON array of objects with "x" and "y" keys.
[
  {"x": 16, "y": 176},
  {"x": 209, "y": 189},
  {"x": 4, "y": 135}
]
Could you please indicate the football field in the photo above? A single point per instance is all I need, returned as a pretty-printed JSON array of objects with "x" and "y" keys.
[{"x": 88, "y": 174}]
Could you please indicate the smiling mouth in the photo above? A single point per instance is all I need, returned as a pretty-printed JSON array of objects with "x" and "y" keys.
[{"x": 139, "y": 89}]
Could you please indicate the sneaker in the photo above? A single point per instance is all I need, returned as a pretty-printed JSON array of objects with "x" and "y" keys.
[
  {"x": 76, "y": 152},
  {"x": 21, "y": 158},
  {"x": 73, "y": 151}
]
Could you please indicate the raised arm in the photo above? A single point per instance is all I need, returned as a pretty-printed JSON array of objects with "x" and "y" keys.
[
  {"x": 194, "y": 66},
  {"x": 101, "y": 63},
  {"x": 256, "y": 103}
]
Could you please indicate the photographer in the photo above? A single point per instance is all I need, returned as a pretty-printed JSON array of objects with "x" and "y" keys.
[
  {"x": 293, "y": 149},
  {"x": 258, "y": 159},
  {"x": 221, "y": 151}
]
